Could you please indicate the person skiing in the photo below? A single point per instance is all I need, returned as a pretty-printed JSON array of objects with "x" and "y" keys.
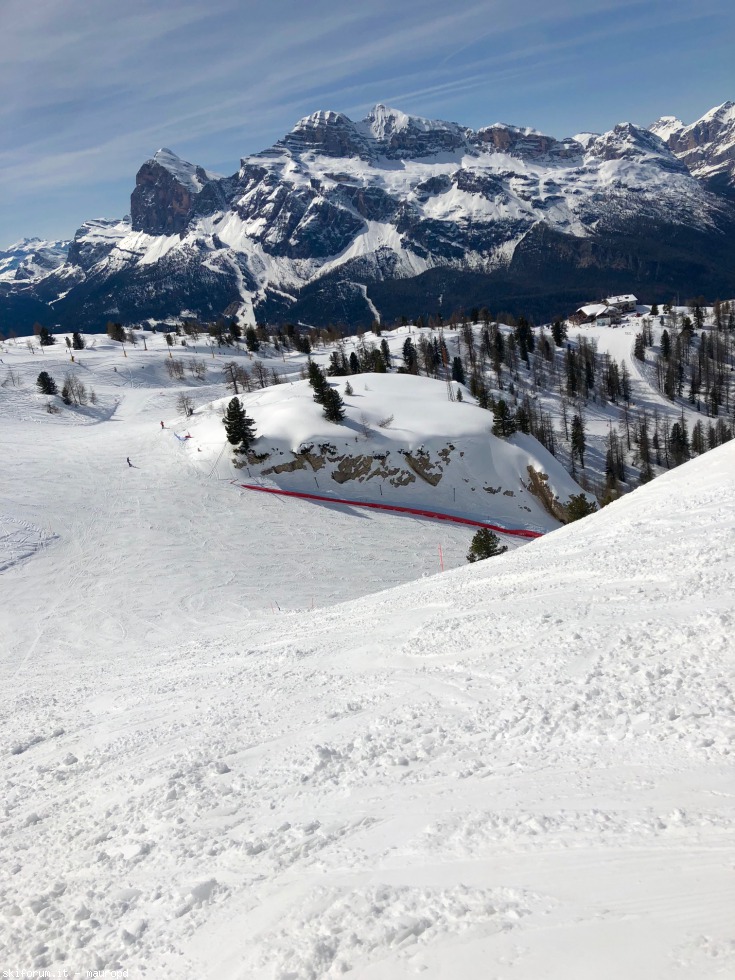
[
  {"x": 128, "y": 459},
  {"x": 162, "y": 425}
]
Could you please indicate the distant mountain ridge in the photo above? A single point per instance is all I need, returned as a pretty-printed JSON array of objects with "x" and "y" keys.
[{"x": 396, "y": 214}]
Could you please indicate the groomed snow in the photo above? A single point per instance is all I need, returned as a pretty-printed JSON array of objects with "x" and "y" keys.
[{"x": 518, "y": 769}]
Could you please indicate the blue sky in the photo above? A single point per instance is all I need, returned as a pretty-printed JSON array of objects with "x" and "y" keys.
[{"x": 92, "y": 88}]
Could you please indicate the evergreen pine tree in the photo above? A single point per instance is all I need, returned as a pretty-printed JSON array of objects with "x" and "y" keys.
[
  {"x": 240, "y": 429},
  {"x": 523, "y": 420},
  {"x": 77, "y": 341},
  {"x": 558, "y": 332},
  {"x": 679, "y": 440},
  {"x": 46, "y": 384},
  {"x": 410, "y": 357},
  {"x": 334, "y": 407},
  {"x": 45, "y": 337},
  {"x": 578, "y": 440},
  {"x": 318, "y": 382},
  {"x": 337, "y": 364},
  {"x": 504, "y": 424},
  {"x": 385, "y": 351},
  {"x": 579, "y": 506},
  {"x": 485, "y": 544},
  {"x": 644, "y": 448},
  {"x": 457, "y": 370}
]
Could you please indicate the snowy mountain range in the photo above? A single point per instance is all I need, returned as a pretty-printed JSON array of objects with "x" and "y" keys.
[
  {"x": 395, "y": 214},
  {"x": 31, "y": 258}
]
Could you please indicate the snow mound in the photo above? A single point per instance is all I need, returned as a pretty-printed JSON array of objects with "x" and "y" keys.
[{"x": 401, "y": 442}]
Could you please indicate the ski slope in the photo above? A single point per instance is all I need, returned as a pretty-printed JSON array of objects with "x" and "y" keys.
[{"x": 517, "y": 769}]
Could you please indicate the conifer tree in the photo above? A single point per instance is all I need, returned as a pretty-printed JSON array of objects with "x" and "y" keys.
[
  {"x": 410, "y": 357},
  {"x": 578, "y": 439},
  {"x": 334, "y": 407},
  {"x": 504, "y": 424},
  {"x": 558, "y": 332},
  {"x": 337, "y": 364},
  {"x": 485, "y": 544},
  {"x": 522, "y": 419},
  {"x": 77, "y": 341},
  {"x": 240, "y": 429},
  {"x": 578, "y": 507},
  {"x": 318, "y": 382},
  {"x": 679, "y": 441},
  {"x": 46, "y": 384},
  {"x": 251, "y": 339},
  {"x": 385, "y": 351},
  {"x": 644, "y": 448}
]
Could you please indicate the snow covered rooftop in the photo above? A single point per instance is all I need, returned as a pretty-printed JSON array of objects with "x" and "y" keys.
[{"x": 593, "y": 309}]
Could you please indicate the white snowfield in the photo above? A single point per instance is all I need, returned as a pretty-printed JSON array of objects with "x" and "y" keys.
[{"x": 519, "y": 769}]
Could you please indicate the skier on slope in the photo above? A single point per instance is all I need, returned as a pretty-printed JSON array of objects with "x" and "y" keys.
[
  {"x": 128, "y": 459},
  {"x": 162, "y": 425}
]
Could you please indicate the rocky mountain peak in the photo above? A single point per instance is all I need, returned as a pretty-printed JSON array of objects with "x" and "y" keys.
[
  {"x": 525, "y": 142},
  {"x": 666, "y": 126},
  {"x": 398, "y": 134},
  {"x": 628, "y": 142},
  {"x": 328, "y": 133},
  {"x": 706, "y": 146},
  {"x": 166, "y": 188}
]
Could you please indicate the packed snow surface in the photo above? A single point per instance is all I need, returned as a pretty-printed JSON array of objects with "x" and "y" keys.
[{"x": 517, "y": 769}]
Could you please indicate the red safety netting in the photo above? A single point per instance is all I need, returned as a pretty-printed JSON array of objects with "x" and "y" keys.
[{"x": 433, "y": 515}]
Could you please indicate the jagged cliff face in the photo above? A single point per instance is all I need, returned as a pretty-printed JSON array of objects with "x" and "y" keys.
[
  {"x": 169, "y": 193},
  {"x": 346, "y": 221},
  {"x": 706, "y": 147}
]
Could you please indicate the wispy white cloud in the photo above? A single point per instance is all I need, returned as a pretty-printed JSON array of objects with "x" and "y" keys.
[{"x": 91, "y": 88}]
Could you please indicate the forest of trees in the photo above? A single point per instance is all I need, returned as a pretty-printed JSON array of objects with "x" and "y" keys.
[
  {"x": 542, "y": 382},
  {"x": 519, "y": 373}
]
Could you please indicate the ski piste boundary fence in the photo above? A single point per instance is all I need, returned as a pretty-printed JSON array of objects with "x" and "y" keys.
[{"x": 393, "y": 508}]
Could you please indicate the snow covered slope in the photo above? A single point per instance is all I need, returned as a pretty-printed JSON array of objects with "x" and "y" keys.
[{"x": 517, "y": 769}]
